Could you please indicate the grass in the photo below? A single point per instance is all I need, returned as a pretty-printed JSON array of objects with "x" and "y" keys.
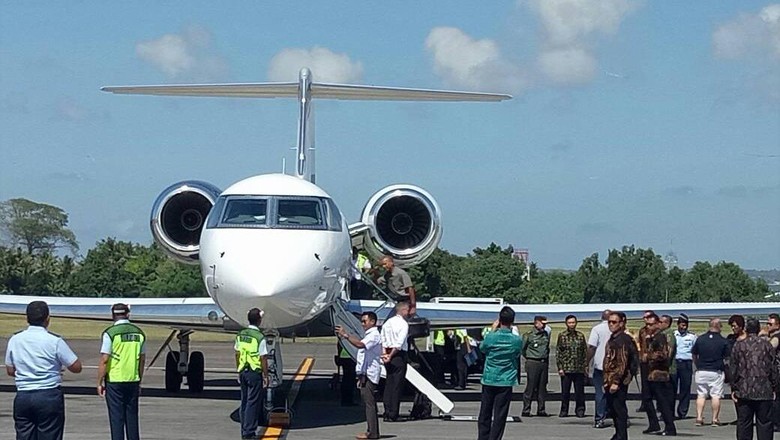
[{"x": 70, "y": 328}]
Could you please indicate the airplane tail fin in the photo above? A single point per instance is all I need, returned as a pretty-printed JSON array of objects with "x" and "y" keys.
[
  {"x": 318, "y": 90},
  {"x": 305, "y": 90}
]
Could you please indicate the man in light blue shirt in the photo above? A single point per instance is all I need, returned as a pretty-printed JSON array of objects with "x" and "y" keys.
[
  {"x": 35, "y": 359},
  {"x": 684, "y": 363}
]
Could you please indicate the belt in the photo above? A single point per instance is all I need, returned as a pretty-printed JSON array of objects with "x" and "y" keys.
[{"x": 537, "y": 359}]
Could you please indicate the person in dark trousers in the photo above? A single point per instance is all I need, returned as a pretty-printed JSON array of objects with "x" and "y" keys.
[
  {"x": 251, "y": 363},
  {"x": 621, "y": 362},
  {"x": 570, "y": 356},
  {"x": 463, "y": 350},
  {"x": 35, "y": 359},
  {"x": 597, "y": 346},
  {"x": 651, "y": 319},
  {"x": 536, "y": 350},
  {"x": 348, "y": 379},
  {"x": 121, "y": 368},
  {"x": 502, "y": 351},
  {"x": 368, "y": 369},
  {"x": 755, "y": 374},
  {"x": 710, "y": 352},
  {"x": 395, "y": 332},
  {"x": 773, "y": 331},
  {"x": 659, "y": 380},
  {"x": 683, "y": 362}
]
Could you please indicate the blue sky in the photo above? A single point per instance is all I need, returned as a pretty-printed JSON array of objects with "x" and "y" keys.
[{"x": 647, "y": 123}]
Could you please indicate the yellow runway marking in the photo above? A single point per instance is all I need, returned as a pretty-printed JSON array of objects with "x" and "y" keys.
[{"x": 274, "y": 432}]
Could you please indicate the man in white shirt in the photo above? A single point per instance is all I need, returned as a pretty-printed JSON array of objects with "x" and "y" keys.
[
  {"x": 368, "y": 369},
  {"x": 597, "y": 345},
  {"x": 395, "y": 331}
]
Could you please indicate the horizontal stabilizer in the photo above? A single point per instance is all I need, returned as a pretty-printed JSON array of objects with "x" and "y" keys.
[{"x": 318, "y": 90}]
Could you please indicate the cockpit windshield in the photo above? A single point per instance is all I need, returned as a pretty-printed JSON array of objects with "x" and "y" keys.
[{"x": 276, "y": 212}]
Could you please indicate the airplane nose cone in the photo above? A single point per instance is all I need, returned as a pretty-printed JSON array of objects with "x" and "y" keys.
[{"x": 291, "y": 284}]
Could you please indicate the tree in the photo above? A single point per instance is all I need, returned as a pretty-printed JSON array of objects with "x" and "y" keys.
[
  {"x": 590, "y": 279},
  {"x": 634, "y": 275},
  {"x": 36, "y": 227}
]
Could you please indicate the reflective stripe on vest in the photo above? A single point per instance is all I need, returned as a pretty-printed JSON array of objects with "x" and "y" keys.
[
  {"x": 248, "y": 343},
  {"x": 438, "y": 337},
  {"x": 126, "y": 343}
]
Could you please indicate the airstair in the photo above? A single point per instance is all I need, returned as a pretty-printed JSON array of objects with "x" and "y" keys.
[{"x": 341, "y": 317}]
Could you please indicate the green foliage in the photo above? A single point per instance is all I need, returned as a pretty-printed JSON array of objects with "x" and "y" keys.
[
  {"x": 37, "y": 227},
  {"x": 115, "y": 268}
]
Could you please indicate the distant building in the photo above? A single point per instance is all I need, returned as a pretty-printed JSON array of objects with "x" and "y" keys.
[{"x": 524, "y": 256}]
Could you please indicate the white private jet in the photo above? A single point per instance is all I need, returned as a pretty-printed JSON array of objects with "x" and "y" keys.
[{"x": 280, "y": 243}]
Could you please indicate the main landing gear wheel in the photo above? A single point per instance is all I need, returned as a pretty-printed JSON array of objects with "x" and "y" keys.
[
  {"x": 195, "y": 372},
  {"x": 172, "y": 375}
]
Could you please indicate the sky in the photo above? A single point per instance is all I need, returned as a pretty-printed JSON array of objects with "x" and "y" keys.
[{"x": 649, "y": 123}]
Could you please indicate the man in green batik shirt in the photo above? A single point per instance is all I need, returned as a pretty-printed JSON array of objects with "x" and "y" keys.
[
  {"x": 502, "y": 351},
  {"x": 571, "y": 357}
]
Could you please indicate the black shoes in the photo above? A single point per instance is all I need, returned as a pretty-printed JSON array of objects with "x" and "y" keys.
[
  {"x": 563, "y": 414},
  {"x": 526, "y": 414},
  {"x": 542, "y": 414},
  {"x": 667, "y": 433},
  {"x": 652, "y": 431},
  {"x": 599, "y": 424}
]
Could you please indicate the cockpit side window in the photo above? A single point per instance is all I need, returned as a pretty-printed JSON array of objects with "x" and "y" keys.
[
  {"x": 300, "y": 213},
  {"x": 249, "y": 212},
  {"x": 334, "y": 216}
]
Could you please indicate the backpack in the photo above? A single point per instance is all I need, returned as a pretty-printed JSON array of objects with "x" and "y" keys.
[{"x": 421, "y": 407}]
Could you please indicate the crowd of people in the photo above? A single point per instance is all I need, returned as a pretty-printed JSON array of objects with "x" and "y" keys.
[
  {"x": 666, "y": 362},
  {"x": 660, "y": 358}
]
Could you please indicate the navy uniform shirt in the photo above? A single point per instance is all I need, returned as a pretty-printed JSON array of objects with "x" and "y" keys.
[{"x": 39, "y": 358}]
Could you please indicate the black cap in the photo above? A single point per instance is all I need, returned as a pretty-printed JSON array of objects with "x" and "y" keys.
[
  {"x": 120, "y": 309},
  {"x": 683, "y": 318}
]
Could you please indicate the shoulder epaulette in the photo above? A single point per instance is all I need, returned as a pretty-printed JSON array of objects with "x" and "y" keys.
[
  {"x": 54, "y": 334},
  {"x": 17, "y": 332}
]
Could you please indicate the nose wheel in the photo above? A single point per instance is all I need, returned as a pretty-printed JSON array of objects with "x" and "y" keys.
[{"x": 180, "y": 364}]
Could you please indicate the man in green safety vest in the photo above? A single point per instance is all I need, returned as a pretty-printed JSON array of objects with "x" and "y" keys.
[
  {"x": 251, "y": 353},
  {"x": 120, "y": 371}
]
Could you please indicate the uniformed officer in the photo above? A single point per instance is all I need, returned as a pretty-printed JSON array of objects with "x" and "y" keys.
[
  {"x": 120, "y": 371},
  {"x": 251, "y": 352},
  {"x": 35, "y": 358}
]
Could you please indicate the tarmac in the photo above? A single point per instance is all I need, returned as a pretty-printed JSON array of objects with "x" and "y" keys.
[{"x": 316, "y": 413}]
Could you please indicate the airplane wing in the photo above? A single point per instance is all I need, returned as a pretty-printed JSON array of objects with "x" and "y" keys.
[
  {"x": 451, "y": 315},
  {"x": 192, "y": 313}
]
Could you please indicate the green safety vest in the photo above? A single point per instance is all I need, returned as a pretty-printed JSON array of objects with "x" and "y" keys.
[
  {"x": 361, "y": 261},
  {"x": 438, "y": 337},
  {"x": 248, "y": 347},
  {"x": 126, "y": 343},
  {"x": 343, "y": 353},
  {"x": 462, "y": 334}
]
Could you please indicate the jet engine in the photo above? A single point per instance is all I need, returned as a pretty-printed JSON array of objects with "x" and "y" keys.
[
  {"x": 178, "y": 217},
  {"x": 404, "y": 221}
]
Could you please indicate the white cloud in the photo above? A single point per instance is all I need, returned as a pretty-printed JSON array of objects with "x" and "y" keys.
[
  {"x": 188, "y": 54},
  {"x": 750, "y": 35},
  {"x": 463, "y": 61},
  {"x": 326, "y": 65},
  {"x": 567, "y": 22},
  {"x": 569, "y": 36},
  {"x": 568, "y": 65}
]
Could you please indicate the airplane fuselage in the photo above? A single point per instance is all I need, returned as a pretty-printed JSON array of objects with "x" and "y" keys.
[{"x": 278, "y": 243}]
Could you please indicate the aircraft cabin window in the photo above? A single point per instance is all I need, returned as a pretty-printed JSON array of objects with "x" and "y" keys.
[
  {"x": 300, "y": 214},
  {"x": 248, "y": 212}
]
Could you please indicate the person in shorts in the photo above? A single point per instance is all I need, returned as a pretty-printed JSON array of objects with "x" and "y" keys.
[{"x": 709, "y": 354}]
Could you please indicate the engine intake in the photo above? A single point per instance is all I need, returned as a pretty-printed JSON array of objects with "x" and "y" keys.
[
  {"x": 404, "y": 222},
  {"x": 178, "y": 216}
]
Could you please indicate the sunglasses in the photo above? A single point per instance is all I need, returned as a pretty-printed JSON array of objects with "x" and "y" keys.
[{"x": 613, "y": 322}]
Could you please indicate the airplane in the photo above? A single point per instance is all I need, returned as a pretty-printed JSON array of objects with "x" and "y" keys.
[{"x": 280, "y": 243}]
